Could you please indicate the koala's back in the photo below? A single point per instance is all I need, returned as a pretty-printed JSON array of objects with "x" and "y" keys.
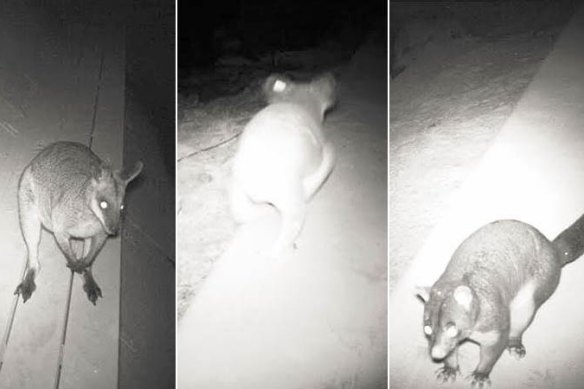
[
  {"x": 283, "y": 143},
  {"x": 59, "y": 174},
  {"x": 506, "y": 255},
  {"x": 285, "y": 135}
]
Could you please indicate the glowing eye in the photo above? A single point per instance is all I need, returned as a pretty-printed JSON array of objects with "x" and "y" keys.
[
  {"x": 451, "y": 331},
  {"x": 428, "y": 330},
  {"x": 122, "y": 207},
  {"x": 279, "y": 86},
  {"x": 103, "y": 204}
]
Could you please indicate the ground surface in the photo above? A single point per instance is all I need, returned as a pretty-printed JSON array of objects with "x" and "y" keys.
[
  {"x": 49, "y": 73},
  {"x": 450, "y": 102},
  {"x": 315, "y": 319},
  {"x": 530, "y": 169}
]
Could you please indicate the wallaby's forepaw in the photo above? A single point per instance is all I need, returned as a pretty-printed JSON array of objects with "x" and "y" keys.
[
  {"x": 93, "y": 290},
  {"x": 447, "y": 373},
  {"x": 516, "y": 349},
  {"x": 26, "y": 287},
  {"x": 77, "y": 266},
  {"x": 479, "y": 380}
]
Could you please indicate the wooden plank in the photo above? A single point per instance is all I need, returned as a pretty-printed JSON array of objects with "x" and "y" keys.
[{"x": 60, "y": 109}]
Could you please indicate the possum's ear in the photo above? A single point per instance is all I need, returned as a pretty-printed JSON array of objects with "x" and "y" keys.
[
  {"x": 423, "y": 292},
  {"x": 463, "y": 296},
  {"x": 127, "y": 175}
]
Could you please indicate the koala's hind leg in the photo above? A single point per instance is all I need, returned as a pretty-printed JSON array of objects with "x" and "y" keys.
[
  {"x": 313, "y": 182},
  {"x": 291, "y": 205},
  {"x": 243, "y": 208},
  {"x": 30, "y": 225}
]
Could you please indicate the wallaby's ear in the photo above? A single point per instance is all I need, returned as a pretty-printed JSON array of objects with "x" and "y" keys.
[
  {"x": 128, "y": 174},
  {"x": 463, "y": 296},
  {"x": 423, "y": 292}
]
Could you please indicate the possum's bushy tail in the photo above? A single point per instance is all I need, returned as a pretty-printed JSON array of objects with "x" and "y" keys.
[{"x": 570, "y": 242}]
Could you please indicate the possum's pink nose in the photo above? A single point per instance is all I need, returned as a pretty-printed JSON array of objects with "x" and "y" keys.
[{"x": 438, "y": 353}]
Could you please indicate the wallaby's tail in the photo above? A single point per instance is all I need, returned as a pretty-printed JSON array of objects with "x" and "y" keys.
[{"x": 571, "y": 241}]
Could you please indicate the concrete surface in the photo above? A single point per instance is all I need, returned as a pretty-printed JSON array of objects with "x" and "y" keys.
[
  {"x": 50, "y": 66},
  {"x": 315, "y": 318},
  {"x": 534, "y": 172}
]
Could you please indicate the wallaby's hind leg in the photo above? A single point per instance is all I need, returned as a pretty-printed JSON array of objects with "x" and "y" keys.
[
  {"x": 64, "y": 241},
  {"x": 313, "y": 182},
  {"x": 292, "y": 208},
  {"x": 90, "y": 286},
  {"x": 30, "y": 225}
]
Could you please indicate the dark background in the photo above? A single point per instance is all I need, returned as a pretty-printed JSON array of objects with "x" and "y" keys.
[
  {"x": 208, "y": 30},
  {"x": 147, "y": 317}
]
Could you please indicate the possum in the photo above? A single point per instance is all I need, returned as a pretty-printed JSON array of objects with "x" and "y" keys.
[
  {"x": 490, "y": 291},
  {"x": 283, "y": 158}
]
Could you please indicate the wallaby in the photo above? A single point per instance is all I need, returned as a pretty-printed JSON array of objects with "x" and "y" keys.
[
  {"x": 68, "y": 190},
  {"x": 490, "y": 291},
  {"x": 283, "y": 157}
]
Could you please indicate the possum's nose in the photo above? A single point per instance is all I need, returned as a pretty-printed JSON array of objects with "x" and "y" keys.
[{"x": 438, "y": 353}]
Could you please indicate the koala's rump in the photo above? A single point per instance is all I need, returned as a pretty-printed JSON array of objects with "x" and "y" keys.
[{"x": 281, "y": 145}]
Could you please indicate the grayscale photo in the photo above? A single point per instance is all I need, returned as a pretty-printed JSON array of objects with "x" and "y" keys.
[
  {"x": 282, "y": 194},
  {"x": 486, "y": 194},
  {"x": 87, "y": 287}
]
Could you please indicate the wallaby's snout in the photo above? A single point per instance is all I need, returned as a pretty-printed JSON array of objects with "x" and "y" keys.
[{"x": 108, "y": 194}]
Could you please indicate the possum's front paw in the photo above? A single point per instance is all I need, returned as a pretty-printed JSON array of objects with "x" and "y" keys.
[
  {"x": 26, "y": 287},
  {"x": 92, "y": 289},
  {"x": 479, "y": 380},
  {"x": 516, "y": 349},
  {"x": 447, "y": 373}
]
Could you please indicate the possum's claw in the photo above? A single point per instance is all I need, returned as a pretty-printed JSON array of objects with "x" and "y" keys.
[
  {"x": 479, "y": 380},
  {"x": 447, "y": 373},
  {"x": 26, "y": 287}
]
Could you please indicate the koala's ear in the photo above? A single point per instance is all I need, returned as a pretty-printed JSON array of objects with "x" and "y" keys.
[
  {"x": 276, "y": 85},
  {"x": 128, "y": 174},
  {"x": 423, "y": 292}
]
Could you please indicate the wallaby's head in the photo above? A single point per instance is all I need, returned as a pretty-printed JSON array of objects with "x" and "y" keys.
[
  {"x": 449, "y": 317},
  {"x": 106, "y": 192},
  {"x": 322, "y": 90}
]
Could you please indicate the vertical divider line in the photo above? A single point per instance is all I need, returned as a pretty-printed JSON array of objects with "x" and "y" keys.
[
  {"x": 10, "y": 322},
  {"x": 96, "y": 101},
  {"x": 64, "y": 334}
]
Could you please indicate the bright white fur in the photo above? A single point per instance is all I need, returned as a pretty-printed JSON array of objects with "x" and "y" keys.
[{"x": 283, "y": 157}]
